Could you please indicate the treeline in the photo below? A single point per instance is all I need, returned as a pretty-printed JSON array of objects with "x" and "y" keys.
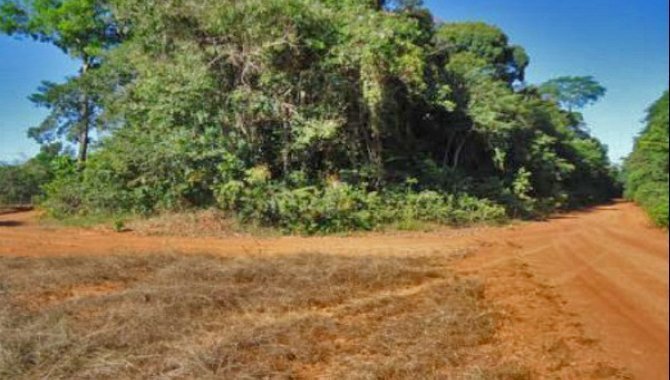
[
  {"x": 310, "y": 115},
  {"x": 646, "y": 169},
  {"x": 22, "y": 183}
]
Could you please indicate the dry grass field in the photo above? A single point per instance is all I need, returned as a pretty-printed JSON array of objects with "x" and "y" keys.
[
  {"x": 534, "y": 301},
  {"x": 294, "y": 316}
]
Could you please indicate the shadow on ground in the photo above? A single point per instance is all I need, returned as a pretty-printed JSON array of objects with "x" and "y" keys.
[{"x": 10, "y": 223}]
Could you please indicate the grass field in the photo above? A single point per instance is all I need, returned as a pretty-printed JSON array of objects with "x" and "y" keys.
[{"x": 297, "y": 316}]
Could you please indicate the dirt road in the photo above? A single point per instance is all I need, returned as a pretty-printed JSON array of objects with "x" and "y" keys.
[{"x": 609, "y": 267}]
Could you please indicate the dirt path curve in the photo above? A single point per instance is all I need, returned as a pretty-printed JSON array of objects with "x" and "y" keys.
[
  {"x": 607, "y": 263},
  {"x": 612, "y": 269}
]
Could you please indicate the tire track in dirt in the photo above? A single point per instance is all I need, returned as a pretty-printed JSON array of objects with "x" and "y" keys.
[
  {"x": 608, "y": 266},
  {"x": 611, "y": 268}
]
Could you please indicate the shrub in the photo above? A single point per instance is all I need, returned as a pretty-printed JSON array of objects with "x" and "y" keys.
[
  {"x": 653, "y": 198},
  {"x": 64, "y": 194},
  {"x": 342, "y": 207}
]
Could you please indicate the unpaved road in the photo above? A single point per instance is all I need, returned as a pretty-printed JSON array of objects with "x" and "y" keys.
[
  {"x": 612, "y": 269},
  {"x": 607, "y": 264}
]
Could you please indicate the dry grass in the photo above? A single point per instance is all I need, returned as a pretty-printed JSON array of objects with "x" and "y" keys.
[
  {"x": 197, "y": 223},
  {"x": 298, "y": 316}
]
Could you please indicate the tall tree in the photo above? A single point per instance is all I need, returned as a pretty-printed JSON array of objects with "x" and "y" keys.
[
  {"x": 74, "y": 110},
  {"x": 82, "y": 29},
  {"x": 481, "y": 66},
  {"x": 573, "y": 92}
]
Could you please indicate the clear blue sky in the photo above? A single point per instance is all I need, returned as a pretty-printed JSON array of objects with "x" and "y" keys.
[
  {"x": 623, "y": 43},
  {"x": 23, "y": 65}
]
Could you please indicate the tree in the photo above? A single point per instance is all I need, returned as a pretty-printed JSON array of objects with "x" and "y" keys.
[
  {"x": 573, "y": 92},
  {"x": 481, "y": 67},
  {"x": 476, "y": 48},
  {"x": 21, "y": 183},
  {"x": 646, "y": 169},
  {"x": 315, "y": 97},
  {"x": 74, "y": 110},
  {"x": 83, "y": 29}
]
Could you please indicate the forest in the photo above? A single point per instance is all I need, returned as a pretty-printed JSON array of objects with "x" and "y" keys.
[
  {"x": 646, "y": 169},
  {"x": 310, "y": 116}
]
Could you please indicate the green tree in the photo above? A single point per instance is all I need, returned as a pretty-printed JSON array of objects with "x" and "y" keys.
[
  {"x": 316, "y": 115},
  {"x": 67, "y": 119},
  {"x": 646, "y": 169},
  {"x": 481, "y": 67},
  {"x": 21, "y": 183},
  {"x": 83, "y": 29},
  {"x": 573, "y": 92}
]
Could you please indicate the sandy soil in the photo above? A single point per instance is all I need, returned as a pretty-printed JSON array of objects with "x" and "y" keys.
[{"x": 593, "y": 283}]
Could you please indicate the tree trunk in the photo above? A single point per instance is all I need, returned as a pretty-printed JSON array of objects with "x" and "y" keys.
[
  {"x": 376, "y": 157},
  {"x": 286, "y": 146},
  {"x": 373, "y": 94},
  {"x": 458, "y": 151},
  {"x": 84, "y": 122},
  {"x": 445, "y": 158}
]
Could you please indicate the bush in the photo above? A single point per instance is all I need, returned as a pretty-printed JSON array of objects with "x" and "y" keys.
[
  {"x": 653, "y": 198},
  {"x": 342, "y": 207},
  {"x": 64, "y": 194},
  {"x": 16, "y": 185},
  {"x": 158, "y": 171}
]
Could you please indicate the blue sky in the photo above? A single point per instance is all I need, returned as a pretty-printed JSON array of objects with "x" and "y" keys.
[
  {"x": 623, "y": 43},
  {"x": 23, "y": 65}
]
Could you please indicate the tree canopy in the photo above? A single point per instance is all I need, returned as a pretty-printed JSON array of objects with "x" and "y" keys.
[
  {"x": 83, "y": 29},
  {"x": 573, "y": 92},
  {"x": 318, "y": 115}
]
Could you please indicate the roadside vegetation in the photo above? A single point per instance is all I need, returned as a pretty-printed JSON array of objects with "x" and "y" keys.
[
  {"x": 311, "y": 116},
  {"x": 646, "y": 169},
  {"x": 21, "y": 184}
]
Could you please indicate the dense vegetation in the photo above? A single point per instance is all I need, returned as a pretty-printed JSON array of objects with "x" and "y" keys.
[
  {"x": 21, "y": 183},
  {"x": 646, "y": 169},
  {"x": 309, "y": 115}
]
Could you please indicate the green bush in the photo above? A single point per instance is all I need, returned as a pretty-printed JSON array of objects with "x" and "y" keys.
[
  {"x": 653, "y": 198},
  {"x": 17, "y": 186},
  {"x": 342, "y": 207},
  {"x": 65, "y": 193}
]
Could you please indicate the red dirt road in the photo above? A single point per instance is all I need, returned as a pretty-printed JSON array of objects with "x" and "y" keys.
[
  {"x": 612, "y": 269},
  {"x": 607, "y": 264}
]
